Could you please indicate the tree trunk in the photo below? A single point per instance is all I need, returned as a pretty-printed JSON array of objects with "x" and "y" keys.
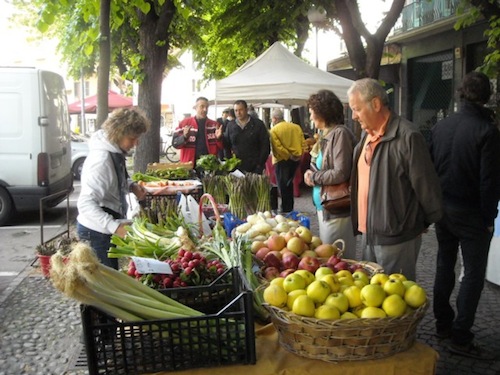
[
  {"x": 154, "y": 28},
  {"x": 104, "y": 64}
]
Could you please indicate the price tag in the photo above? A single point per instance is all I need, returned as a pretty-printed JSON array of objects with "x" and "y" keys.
[{"x": 148, "y": 265}]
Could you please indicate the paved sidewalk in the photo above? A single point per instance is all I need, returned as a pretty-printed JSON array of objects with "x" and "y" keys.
[{"x": 40, "y": 329}]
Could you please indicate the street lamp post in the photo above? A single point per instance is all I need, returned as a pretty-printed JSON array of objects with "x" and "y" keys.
[{"x": 317, "y": 18}]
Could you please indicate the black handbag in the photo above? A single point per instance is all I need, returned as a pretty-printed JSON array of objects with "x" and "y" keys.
[{"x": 336, "y": 199}]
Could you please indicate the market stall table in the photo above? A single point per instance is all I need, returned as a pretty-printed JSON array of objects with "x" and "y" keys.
[{"x": 420, "y": 359}]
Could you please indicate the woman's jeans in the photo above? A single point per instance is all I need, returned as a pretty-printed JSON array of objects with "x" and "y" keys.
[{"x": 99, "y": 242}]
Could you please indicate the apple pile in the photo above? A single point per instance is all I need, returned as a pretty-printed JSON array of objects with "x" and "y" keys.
[{"x": 345, "y": 295}]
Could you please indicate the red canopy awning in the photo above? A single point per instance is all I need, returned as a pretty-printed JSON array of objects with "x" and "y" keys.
[{"x": 115, "y": 100}]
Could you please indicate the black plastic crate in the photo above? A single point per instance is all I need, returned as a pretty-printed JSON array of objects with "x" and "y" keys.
[{"x": 225, "y": 336}]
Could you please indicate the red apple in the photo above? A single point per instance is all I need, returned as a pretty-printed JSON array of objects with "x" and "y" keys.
[
  {"x": 333, "y": 260},
  {"x": 342, "y": 265},
  {"x": 262, "y": 252},
  {"x": 309, "y": 264},
  {"x": 271, "y": 273},
  {"x": 271, "y": 260},
  {"x": 290, "y": 260},
  {"x": 276, "y": 242},
  {"x": 287, "y": 272}
]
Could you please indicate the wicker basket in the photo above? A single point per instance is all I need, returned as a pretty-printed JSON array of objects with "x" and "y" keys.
[{"x": 345, "y": 339}]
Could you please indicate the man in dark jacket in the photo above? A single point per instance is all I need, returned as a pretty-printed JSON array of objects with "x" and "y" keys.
[
  {"x": 395, "y": 192},
  {"x": 466, "y": 153},
  {"x": 247, "y": 138}
]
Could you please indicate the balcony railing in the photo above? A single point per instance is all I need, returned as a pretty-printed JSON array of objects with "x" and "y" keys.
[{"x": 422, "y": 12}]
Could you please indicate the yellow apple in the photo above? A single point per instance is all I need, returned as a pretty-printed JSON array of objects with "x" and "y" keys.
[
  {"x": 398, "y": 276},
  {"x": 307, "y": 275},
  {"x": 344, "y": 273},
  {"x": 360, "y": 283},
  {"x": 408, "y": 283},
  {"x": 304, "y": 233},
  {"x": 304, "y": 306},
  {"x": 276, "y": 242},
  {"x": 394, "y": 306},
  {"x": 372, "y": 295},
  {"x": 379, "y": 278},
  {"x": 358, "y": 310},
  {"x": 348, "y": 315},
  {"x": 293, "y": 295},
  {"x": 361, "y": 275},
  {"x": 318, "y": 290},
  {"x": 353, "y": 294},
  {"x": 394, "y": 286},
  {"x": 295, "y": 245},
  {"x": 327, "y": 313},
  {"x": 293, "y": 281},
  {"x": 332, "y": 281},
  {"x": 373, "y": 312},
  {"x": 345, "y": 280},
  {"x": 275, "y": 296},
  {"x": 415, "y": 296},
  {"x": 278, "y": 281},
  {"x": 322, "y": 271},
  {"x": 315, "y": 242},
  {"x": 338, "y": 300}
]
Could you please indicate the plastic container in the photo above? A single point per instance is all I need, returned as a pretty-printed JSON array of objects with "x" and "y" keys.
[{"x": 225, "y": 336}]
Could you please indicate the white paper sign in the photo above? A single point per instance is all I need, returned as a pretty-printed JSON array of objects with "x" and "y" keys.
[{"x": 148, "y": 265}]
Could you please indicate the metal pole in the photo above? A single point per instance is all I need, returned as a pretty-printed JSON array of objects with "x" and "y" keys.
[{"x": 82, "y": 101}]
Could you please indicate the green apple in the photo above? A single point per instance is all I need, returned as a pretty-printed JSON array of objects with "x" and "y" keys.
[
  {"x": 394, "y": 306},
  {"x": 415, "y": 296},
  {"x": 322, "y": 271},
  {"x": 379, "y": 278},
  {"x": 338, "y": 300},
  {"x": 353, "y": 294},
  {"x": 304, "y": 233},
  {"x": 293, "y": 281},
  {"x": 318, "y": 290},
  {"x": 293, "y": 295},
  {"x": 348, "y": 315},
  {"x": 332, "y": 281},
  {"x": 327, "y": 313},
  {"x": 398, "y": 276},
  {"x": 373, "y": 312},
  {"x": 275, "y": 296},
  {"x": 361, "y": 275},
  {"x": 304, "y": 306},
  {"x": 372, "y": 295},
  {"x": 394, "y": 286},
  {"x": 408, "y": 283},
  {"x": 307, "y": 275}
]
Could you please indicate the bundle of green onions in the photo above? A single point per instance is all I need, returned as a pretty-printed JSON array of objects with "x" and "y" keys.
[{"x": 85, "y": 279}]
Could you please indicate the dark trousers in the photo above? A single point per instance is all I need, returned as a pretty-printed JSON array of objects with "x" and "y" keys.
[
  {"x": 99, "y": 242},
  {"x": 285, "y": 172},
  {"x": 464, "y": 228}
]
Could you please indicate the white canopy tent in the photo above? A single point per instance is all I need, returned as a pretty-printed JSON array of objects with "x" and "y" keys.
[{"x": 278, "y": 76}]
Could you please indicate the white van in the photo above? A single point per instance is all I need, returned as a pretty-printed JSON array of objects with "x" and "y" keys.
[{"x": 35, "y": 151}]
